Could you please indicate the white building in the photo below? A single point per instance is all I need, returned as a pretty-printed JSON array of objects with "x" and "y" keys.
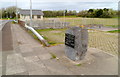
[{"x": 36, "y": 14}]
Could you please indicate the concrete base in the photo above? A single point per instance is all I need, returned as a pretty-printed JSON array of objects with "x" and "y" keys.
[{"x": 96, "y": 62}]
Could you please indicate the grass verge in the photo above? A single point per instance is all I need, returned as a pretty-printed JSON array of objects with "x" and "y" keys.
[
  {"x": 53, "y": 36},
  {"x": 114, "y": 26},
  {"x": 114, "y": 31}
]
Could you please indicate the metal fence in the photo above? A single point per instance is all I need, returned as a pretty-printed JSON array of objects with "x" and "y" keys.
[{"x": 44, "y": 24}]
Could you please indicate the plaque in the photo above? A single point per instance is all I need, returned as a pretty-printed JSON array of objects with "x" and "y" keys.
[{"x": 70, "y": 40}]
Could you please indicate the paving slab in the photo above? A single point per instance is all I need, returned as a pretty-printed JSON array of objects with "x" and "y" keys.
[
  {"x": 14, "y": 59},
  {"x": 32, "y": 66},
  {"x": 22, "y": 73},
  {"x": 15, "y": 69},
  {"x": 14, "y": 64},
  {"x": 40, "y": 72},
  {"x": 56, "y": 67}
]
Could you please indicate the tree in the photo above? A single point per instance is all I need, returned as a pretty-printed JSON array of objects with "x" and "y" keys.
[
  {"x": 82, "y": 13},
  {"x": 12, "y": 9},
  {"x": 4, "y": 14},
  {"x": 90, "y": 10},
  {"x": 13, "y": 15},
  {"x": 65, "y": 12},
  {"x": 0, "y": 13},
  {"x": 8, "y": 14},
  {"x": 105, "y": 9},
  {"x": 98, "y": 13}
]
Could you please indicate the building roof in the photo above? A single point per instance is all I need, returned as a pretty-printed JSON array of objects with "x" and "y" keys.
[{"x": 34, "y": 12}]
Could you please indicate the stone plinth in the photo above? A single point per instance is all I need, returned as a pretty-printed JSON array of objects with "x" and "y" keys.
[{"x": 76, "y": 42}]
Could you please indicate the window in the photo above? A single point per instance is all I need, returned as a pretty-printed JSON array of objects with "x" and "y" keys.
[
  {"x": 38, "y": 16},
  {"x": 32, "y": 16}
]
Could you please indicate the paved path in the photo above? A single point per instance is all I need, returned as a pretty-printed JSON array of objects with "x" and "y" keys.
[
  {"x": 106, "y": 28},
  {"x": 29, "y": 57},
  {"x": 105, "y": 41}
]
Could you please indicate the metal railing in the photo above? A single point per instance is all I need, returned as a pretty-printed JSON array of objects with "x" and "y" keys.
[
  {"x": 44, "y": 42},
  {"x": 44, "y": 24}
]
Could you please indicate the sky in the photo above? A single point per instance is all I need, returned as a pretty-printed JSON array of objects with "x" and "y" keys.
[{"x": 77, "y": 5}]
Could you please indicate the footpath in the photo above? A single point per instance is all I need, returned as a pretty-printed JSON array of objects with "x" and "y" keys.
[{"x": 26, "y": 56}]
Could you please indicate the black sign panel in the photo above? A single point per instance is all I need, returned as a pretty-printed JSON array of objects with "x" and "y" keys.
[{"x": 70, "y": 40}]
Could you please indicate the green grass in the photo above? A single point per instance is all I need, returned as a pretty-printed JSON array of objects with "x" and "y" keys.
[
  {"x": 114, "y": 31},
  {"x": 53, "y": 36},
  {"x": 7, "y": 18},
  {"x": 111, "y": 22},
  {"x": 40, "y": 30},
  {"x": 53, "y": 56},
  {"x": 13, "y": 22},
  {"x": 67, "y": 16},
  {"x": 78, "y": 64},
  {"x": 114, "y": 26}
]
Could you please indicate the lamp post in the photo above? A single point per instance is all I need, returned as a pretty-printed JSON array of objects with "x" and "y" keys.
[
  {"x": 64, "y": 17},
  {"x": 16, "y": 12},
  {"x": 30, "y": 12}
]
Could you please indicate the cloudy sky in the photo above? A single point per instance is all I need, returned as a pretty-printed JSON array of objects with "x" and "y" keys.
[{"x": 61, "y": 4}]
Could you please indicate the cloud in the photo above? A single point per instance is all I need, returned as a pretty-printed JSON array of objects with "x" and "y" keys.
[
  {"x": 74, "y": 6},
  {"x": 61, "y": 5},
  {"x": 60, "y": 1}
]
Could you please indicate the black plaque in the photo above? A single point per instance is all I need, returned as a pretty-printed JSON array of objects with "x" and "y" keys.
[{"x": 70, "y": 40}]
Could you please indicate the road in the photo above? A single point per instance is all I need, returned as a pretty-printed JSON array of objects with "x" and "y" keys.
[
  {"x": 7, "y": 40},
  {"x": 3, "y": 22},
  {"x": 5, "y": 43}
]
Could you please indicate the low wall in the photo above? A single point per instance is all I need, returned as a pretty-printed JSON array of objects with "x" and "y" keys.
[{"x": 21, "y": 23}]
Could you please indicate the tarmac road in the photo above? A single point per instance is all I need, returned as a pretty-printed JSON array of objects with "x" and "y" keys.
[{"x": 7, "y": 43}]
